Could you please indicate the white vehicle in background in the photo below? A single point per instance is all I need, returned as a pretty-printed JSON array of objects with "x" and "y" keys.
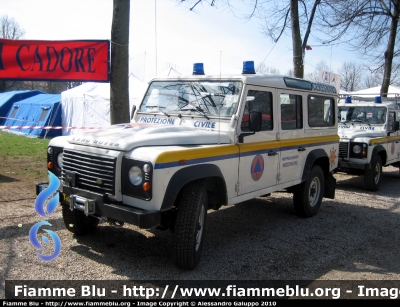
[
  {"x": 369, "y": 136},
  {"x": 196, "y": 143}
]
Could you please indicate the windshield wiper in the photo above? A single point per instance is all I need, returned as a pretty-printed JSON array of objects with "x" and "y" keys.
[
  {"x": 361, "y": 120},
  {"x": 210, "y": 97},
  {"x": 162, "y": 111},
  {"x": 198, "y": 109}
]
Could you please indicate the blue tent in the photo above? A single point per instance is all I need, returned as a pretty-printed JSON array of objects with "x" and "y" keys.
[
  {"x": 39, "y": 110},
  {"x": 8, "y": 98}
]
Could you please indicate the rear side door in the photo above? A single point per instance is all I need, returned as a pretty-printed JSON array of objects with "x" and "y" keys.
[
  {"x": 393, "y": 146},
  {"x": 293, "y": 151}
]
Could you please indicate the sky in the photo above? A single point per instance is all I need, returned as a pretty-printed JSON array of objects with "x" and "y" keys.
[{"x": 164, "y": 34}]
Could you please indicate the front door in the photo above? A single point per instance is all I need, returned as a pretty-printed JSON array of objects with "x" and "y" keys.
[{"x": 259, "y": 153}]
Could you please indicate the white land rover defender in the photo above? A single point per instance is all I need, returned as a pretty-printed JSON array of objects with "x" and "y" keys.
[
  {"x": 369, "y": 137},
  {"x": 197, "y": 143}
]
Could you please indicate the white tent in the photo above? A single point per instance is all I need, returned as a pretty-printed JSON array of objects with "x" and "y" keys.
[
  {"x": 88, "y": 105},
  {"x": 375, "y": 91}
]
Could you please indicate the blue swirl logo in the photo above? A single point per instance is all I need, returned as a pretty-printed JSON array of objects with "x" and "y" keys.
[{"x": 46, "y": 211}]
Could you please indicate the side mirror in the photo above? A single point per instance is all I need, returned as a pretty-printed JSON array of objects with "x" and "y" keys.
[
  {"x": 133, "y": 111},
  {"x": 396, "y": 126},
  {"x": 255, "y": 120}
]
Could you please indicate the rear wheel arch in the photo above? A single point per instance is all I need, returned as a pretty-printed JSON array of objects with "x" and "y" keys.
[{"x": 315, "y": 157}]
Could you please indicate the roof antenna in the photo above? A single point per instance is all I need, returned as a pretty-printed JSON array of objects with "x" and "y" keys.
[
  {"x": 220, "y": 60},
  {"x": 220, "y": 104}
]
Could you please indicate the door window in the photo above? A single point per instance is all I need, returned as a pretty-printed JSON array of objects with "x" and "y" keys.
[
  {"x": 291, "y": 111},
  {"x": 260, "y": 101}
]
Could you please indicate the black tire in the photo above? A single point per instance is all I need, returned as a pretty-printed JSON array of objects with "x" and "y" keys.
[
  {"x": 372, "y": 177},
  {"x": 190, "y": 226},
  {"x": 307, "y": 196},
  {"x": 77, "y": 222}
]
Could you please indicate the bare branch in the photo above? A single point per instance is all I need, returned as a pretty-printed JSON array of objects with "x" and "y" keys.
[
  {"x": 284, "y": 25},
  {"x": 195, "y": 5},
  {"x": 307, "y": 34}
]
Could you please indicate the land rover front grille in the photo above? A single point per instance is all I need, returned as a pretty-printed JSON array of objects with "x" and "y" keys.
[
  {"x": 343, "y": 149},
  {"x": 90, "y": 172}
]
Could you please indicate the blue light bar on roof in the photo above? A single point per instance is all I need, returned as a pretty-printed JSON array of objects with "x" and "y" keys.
[
  {"x": 248, "y": 67},
  {"x": 378, "y": 99},
  {"x": 348, "y": 99},
  {"x": 198, "y": 69}
]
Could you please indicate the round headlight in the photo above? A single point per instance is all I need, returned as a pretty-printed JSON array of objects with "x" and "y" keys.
[
  {"x": 357, "y": 149},
  {"x": 146, "y": 168},
  {"x": 60, "y": 160},
  {"x": 135, "y": 176},
  {"x": 50, "y": 150}
]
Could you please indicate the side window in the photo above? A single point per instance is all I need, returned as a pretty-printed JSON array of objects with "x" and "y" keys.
[
  {"x": 321, "y": 111},
  {"x": 43, "y": 115},
  {"x": 14, "y": 112},
  {"x": 391, "y": 120},
  {"x": 291, "y": 112},
  {"x": 260, "y": 101}
]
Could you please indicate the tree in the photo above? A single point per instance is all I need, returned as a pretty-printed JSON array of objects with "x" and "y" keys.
[
  {"x": 351, "y": 76},
  {"x": 375, "y": 75},
  {"x": 9, "y": 29},
  {"x": 314, "y": 76},
  {"x": 119, "y": 73},
  {"x": 279, "y": 17},
  {"x": 264, "y": 69},
  {"x": 368, "y": 26}
]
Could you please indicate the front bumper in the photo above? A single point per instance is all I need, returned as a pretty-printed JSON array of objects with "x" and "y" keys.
[
  {"x": 99, "y": 205},
  {"x": 353, "y": 165}
]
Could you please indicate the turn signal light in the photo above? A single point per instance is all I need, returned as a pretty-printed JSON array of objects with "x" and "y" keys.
[
  {"x": 50, "y": 165},
  {"x": 146, "y": 186}
]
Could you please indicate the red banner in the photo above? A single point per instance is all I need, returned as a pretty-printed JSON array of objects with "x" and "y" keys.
[{"x": 55, "y": 60}]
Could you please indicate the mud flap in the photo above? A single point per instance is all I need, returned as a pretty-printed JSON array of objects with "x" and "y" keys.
[{"x": 330, "y": 186}]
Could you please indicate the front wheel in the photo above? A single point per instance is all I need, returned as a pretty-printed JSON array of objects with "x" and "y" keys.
[
  {"x": 190, "y": 226},
  {"x": 372, "y": 177},
  {"x": 307, "y": 196}
]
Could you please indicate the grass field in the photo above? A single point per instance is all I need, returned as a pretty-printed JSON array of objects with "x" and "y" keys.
[{"x": 22, "y": 157}]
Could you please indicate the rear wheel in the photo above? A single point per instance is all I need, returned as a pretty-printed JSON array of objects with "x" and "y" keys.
[
  {"x": 77, "y": 222},
  {"x": 190, "y": 226},
  {"x": 372, "y": 177},
  {"x": 307, "y": 196}
]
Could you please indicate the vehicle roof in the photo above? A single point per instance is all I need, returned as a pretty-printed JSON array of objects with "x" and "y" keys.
[
  {"x": 272, "y": 80},
  {"x": 388, "y": 102}
]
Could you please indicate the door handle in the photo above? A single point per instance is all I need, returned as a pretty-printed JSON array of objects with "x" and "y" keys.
[
  {"x": 272, "y": 153},
  {"x": 301, "y": 149}
]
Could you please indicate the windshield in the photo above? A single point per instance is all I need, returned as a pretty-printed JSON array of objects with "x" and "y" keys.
[
  {"x": 368, "y": 115},
  {"x": 203, "y": 98}
]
